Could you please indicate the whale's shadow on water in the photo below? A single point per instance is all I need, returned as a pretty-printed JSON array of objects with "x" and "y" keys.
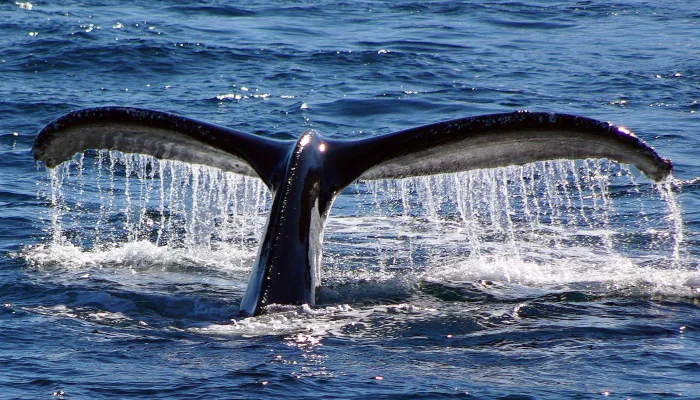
[{"x": 306, "y": 176}]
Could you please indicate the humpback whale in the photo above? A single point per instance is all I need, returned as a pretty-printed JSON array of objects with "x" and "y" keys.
[{"x": 305, "y": 175}]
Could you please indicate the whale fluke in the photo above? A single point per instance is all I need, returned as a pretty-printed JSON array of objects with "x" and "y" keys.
[
  {"x": 498, "y": 140},
  {"x": 161, "y": 135},
  {"x": 306, "y": 175}
]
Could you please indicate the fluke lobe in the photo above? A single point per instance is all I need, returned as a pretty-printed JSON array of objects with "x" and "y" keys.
[{"x": 305, "y": 176}]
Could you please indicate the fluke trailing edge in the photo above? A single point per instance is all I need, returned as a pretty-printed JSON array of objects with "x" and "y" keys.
[{"x": 305, "y": 176}]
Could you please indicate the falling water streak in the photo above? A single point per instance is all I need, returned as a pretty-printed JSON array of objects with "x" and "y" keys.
[
  {"x": 404, "y": 190},
  {"x": 587, "y": 175},
  {"x": 522, "y": 207},
  {"x": 232, "y": 188},
  {"x": 99, "y": 160},
  {"x": 112, "y": 196},
  {"x": 495, "y": 207},
  {"x": 635, "y": 188},
  {"x": 374, "y": 188},
  {"x": 550, "y": 194},
  {"x": 148, "y": 177},
  {"x": 548, "y": 204},
  {"x": 161, "y": 203},
  {"x": 533, "y": 189},
  {"x": 139, "y": 201},
  {"x": 510, "y": 227},
  {"x": 602, "y": 180},
  {"x": 465, "y": 215},
  {"x": 577, "y": 182},
  {"x": 562, "y": 172},
  {"x": 80, "y": 178},
  {"x": 523, "y": 193},
  {"x": 127, "y": 196},
  {"x": 173, "y": 196},
  {"x": 666, "y": 190},
  {"x": 56, "y": 177},
  {"x": 246, "y": 196},
  {"x": 192, "y": 234},
  {"x": 64, "y": 206},
  {"x": 260, "y": 203},
  {"x": 428, "y": 199},
  {"x": 185, "y": 198},
  {"x": 140, "y": 171}
]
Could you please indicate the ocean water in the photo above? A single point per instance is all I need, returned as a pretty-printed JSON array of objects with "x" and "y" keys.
[{"x": 121, "y": 276}]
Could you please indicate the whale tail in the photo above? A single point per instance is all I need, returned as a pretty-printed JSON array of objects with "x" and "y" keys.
[
  {"x": 305, "y": 176},
  {"x": 486, "y": 141},
  {"x": 496, "y": 140}
]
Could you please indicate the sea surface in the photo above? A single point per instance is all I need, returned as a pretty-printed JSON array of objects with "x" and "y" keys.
[{"x": 121, "y": 276}]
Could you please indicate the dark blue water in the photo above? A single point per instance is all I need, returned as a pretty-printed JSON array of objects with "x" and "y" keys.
[{"x": 580, "y": 282}]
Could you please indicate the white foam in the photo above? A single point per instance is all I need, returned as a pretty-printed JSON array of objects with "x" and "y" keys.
[
  {"x": 283, "y": 321},
  {"x": 138, "y": 256},
  {"x": 63, "y": 311},
  {"x": 303, "y": 325},
  {"x": 612, "y": 273}
]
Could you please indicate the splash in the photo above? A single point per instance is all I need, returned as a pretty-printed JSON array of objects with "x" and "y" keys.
[
  {"x": 544, "y": 223},
  {"x": 541, "y": 224}
]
